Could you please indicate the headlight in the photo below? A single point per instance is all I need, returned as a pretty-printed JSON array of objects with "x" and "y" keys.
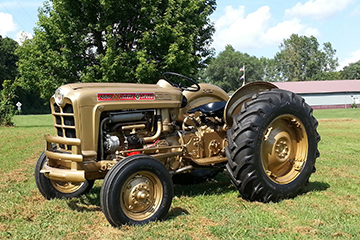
[{"x": 59, "y": 96}]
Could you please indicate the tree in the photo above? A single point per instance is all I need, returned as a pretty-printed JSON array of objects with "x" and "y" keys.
[
  {"x": 7, "y": 110},
  {"x": 8, "y": 73},
  {"x": 352, "y": 71},
  {"x": 115, "y": 41},
  {"x": 8, "y": 59},
  {"x": 272, "y": 71},
  {"x": 223, "y": 70},
  {"x": 301, "y": 59}
]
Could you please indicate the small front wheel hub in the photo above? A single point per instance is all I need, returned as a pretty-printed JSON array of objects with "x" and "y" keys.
[{"x": 141, "y": 195}]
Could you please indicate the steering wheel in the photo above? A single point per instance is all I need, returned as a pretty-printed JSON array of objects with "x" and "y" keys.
[{"x": 184, "y": 88}]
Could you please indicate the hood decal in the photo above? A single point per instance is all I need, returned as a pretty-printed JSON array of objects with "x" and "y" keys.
[{"x": 125, "y": 96}]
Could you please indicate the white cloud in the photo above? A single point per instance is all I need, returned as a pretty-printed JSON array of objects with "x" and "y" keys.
[
  {"x": 240, "y": 30},
  {"x": 6, "y": 24},
  {"x": 253, "y": 31},
  {"x": 355, "y": 56},
  {"x": 317, "y": 9},
  {"x": 283, "y": 30},
  {"x": 22, "y": 36}
]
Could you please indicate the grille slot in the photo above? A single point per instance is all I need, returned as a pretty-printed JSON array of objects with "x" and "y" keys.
[
  {"x": 70, "y": 133},
  {"x": 69, "y": 121},
  {"x": 56, "y": 108},
  {"x": 68, "y": 108},
  {"x": 58, "y": 120},
  {"x": 64, "y": 123},
  {"x": 59, "y": 132}
]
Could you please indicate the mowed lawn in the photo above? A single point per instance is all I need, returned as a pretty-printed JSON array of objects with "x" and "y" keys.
[{"x": 328, "y": 208}]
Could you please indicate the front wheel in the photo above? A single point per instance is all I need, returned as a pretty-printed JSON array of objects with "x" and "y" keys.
[
  {"x": 272, "y": 146},
  {"x": 57, "y": 189},
  {"x": 135, "y": 191}
]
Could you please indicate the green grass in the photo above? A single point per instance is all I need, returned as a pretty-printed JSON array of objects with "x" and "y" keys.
[{"x": 328, "y": 208}]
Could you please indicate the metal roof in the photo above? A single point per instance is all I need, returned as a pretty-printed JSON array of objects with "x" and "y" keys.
[{"x": 320, "y": 86}]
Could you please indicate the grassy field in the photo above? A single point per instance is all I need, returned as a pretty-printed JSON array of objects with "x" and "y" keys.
[{"x": 328, "y": 208}]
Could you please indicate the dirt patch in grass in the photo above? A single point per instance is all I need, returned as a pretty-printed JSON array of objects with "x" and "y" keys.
[
  {"x": 35, "y": 198},
  {"x": 340, "y": 234},
  {"x": 267, "y": 231},
  {"x": 100, "y": 230},
  {"x": 20, "y": 174},
  {"x": 337, "y": 120},
  {"x": 5, "y": 227},
  {"x": 306, "y": 230},
  {"x": 197, "y": 229},
  {"x": 318, "y": 222},
  {"x": 14, "y": 176},
  {"x": 341, "y": 172}
]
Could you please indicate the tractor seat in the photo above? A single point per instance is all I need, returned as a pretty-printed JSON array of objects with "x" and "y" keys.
[{"x": 209, "y": 109}]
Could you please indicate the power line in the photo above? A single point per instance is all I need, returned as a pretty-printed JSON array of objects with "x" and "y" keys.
[
  {"x": 13, "y": 16},
  {"x": 25, "y": 11}
]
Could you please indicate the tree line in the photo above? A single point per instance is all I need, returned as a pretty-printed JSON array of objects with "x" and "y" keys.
[
  {"x": 136, "y": 41},
  {"x": 300, "y": 58}
]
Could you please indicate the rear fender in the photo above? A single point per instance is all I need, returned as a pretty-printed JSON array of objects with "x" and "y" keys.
[{"x": 242, "y": 95}]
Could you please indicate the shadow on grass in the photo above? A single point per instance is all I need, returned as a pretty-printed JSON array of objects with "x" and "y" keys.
[
  {"x": 220, "y": 185},
  {"x": 175, "y": 212},
  {"x": 86, "y": 203},
  {"x": 33, "y": 126},
  {"x": 314, "y": 187}
]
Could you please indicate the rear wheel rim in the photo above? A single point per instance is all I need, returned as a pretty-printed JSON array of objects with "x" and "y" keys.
[
  {"x": 284, "y": 149},
  {"x": 141, "y": 195}
]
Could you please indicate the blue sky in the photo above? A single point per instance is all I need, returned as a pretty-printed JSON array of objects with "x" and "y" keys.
[{"x": 250, "y": 26}]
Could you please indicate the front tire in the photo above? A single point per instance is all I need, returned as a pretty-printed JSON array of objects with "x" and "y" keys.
[
  {"x": 135, "y": 191},
  {"x": 57, "y": 189},
  {"x": 272, "y": 146}
]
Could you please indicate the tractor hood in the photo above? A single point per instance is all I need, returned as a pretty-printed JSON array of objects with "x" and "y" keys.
[{"x": 131, "y": 95}]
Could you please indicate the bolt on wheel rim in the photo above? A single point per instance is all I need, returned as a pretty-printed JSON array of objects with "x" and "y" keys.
[
  {"x": 141, "y": 195},
  {"x": 284, "y": 149}
]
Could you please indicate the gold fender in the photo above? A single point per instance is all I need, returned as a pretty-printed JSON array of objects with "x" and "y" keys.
[{"x": 242, "y": 95}]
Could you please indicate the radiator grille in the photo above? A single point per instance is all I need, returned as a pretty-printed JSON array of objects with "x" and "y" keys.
[{"x": 64, "y": 123}]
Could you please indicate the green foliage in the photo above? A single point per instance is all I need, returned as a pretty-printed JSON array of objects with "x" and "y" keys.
[
  {"x": 223, "y": 71},
  {"x": 115, "y": 41},
  {"x": 8, "y": 59},
  {"x": 301, "y": 59},
  {"x": 352, "y": 71},
  {"x": 31, "y": 101},
  {"x": 272, "y": 70},
  {"x": 7, "y": 110}
]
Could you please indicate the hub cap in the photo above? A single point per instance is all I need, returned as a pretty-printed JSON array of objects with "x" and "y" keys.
[
  {"x": 66, "y": 187},
  {"x": 284, "y": 149},
  {"x": 141, "y": 195}
]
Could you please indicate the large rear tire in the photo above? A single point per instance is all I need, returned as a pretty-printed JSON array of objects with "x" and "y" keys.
[
  {"x": 135, "y": 191},
  {"x": 57, "y": 189},
  {"x": 272, "y": 146}
]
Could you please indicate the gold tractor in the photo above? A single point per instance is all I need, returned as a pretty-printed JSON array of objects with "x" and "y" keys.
[{"x": 142, "y": 138}]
